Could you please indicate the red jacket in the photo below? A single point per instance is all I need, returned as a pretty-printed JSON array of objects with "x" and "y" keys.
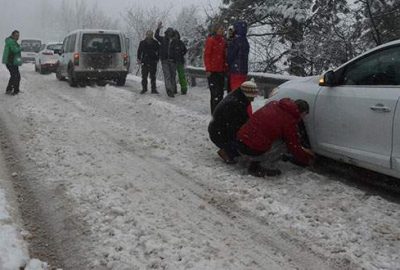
[
  {"x": 276, "y": 120},
  {"x": 215, "y": 54}
]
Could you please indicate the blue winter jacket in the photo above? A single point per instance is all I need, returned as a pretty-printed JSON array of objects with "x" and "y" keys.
[{"x": 238, "y": 50}]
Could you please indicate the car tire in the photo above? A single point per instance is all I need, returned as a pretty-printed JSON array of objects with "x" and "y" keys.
[
  {"x": 304, "y": 140},
  {"x": 41, "y": 71},
  {"x": 121, "y": 81},
  {"x": 59, "y": 76},
  {"x": 71, "y": 78}
]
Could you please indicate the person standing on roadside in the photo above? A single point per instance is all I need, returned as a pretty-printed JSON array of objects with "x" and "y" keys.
[
  {"x": 238, "y": 56},
  {"x": 147, "y": 57},
  {"x": 180, "y": 52},
  {"x": 215, "y": 64},
  {"x": 230, "y": 35},
  {"x": 168, "y": 58},
  {"x": 12, "y": 60}
]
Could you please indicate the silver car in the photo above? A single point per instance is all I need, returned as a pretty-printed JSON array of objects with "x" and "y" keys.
[
  {"x": 354, "y": 110},
  {"x": 94, "y": 55}
]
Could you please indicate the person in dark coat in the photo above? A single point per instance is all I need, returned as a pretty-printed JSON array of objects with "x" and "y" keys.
[
  {"x": 238, "y": 56},
  {"x": 215, "y": 64},
  {"x": 12, "y": 60},
  {"x": 230, "y": 35},
  {"x": 147, "y": 57},
  {"x": 229, "y": 115},
  {"x": 180, "y": 52},
  {"x": 168, "y": 58},
  {"x": 277, "y": 120}
]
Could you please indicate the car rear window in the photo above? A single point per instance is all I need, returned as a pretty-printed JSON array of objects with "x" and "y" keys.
[
  {"x": 54, "y": 47},
  {"x": 31, "y": 45},
  {"x": 108, "y": 43}
]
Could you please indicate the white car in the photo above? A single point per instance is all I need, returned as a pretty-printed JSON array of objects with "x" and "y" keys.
[
  {"x": 30, "y": 49},
  {"x": 47, "y": 59},
  {"x": 354, "y": 110}
]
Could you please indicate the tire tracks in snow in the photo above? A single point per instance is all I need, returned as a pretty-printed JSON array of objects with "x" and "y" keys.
[
  {"x": 46, "y": 212},
  {"x": 278, "y": 243}
]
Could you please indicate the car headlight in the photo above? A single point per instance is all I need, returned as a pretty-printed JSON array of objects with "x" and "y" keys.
[{"x": 273, "y": 92}]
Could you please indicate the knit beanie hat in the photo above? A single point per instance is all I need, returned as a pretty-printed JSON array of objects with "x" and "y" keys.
[{"x": 249, "y": 88}]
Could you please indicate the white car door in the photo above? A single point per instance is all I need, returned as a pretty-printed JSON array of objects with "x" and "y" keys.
[{"x": 354, "y": 118}]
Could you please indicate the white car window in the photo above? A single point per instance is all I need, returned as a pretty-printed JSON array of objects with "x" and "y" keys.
[{"x": 380, "y": 68}]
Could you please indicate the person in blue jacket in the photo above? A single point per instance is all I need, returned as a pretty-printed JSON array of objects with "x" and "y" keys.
[{"x": 238, "y": 56}]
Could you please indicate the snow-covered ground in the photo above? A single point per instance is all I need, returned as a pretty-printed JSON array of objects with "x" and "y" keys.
[{"x": 130, "y": 181}]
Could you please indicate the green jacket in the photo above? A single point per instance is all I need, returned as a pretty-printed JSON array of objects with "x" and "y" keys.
[{"x": 12, "y": 52}]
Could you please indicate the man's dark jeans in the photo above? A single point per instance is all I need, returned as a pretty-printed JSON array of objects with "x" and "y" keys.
[
  {"x": 15, "y": 78},
  {"x": 149, "y": 68},
  {"x": 216, "y": 85}
]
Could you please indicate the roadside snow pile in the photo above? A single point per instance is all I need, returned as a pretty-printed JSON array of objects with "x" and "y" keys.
[{"x": 13, "y": 250}]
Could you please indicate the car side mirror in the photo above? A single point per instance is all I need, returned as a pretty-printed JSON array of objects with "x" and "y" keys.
[{"x": 328, "y": 79}]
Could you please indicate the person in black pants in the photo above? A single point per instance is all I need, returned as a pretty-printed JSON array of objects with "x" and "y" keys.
[
  {"x": 147, "y": 56},
  {"x": 12, "y": 60},
  {"x": 215, "y": 64},
  {"x": 15, "y": 78}
]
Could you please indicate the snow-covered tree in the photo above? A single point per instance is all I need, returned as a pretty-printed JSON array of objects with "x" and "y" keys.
[
  {"x": 306, "y": 37},
  {"x": 381, "y": 20},
  {"x": 193, "y": 33},
  {"x": 138, "y": 20},
  {"x": 78, "y": 14}
]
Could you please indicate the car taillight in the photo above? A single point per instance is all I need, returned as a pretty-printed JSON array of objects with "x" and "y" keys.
[
  {"x": 76, "y": 59},
  {"x": 126, "y": 58}
]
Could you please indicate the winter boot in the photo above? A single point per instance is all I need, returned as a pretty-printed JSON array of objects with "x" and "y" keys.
[
  {"x": 143, "y": 91},
  {"x": 9, "y": 90},
  {"x": 154, "y": 91},
  {"x": 225, "y": 157},
  {"x": 255, "y": 169}
]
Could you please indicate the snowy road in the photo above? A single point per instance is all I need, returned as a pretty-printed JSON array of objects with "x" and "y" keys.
[{"x": 118, "y": 180}]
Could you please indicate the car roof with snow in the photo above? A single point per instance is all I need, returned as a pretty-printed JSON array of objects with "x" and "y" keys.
[{"x": 90, "y": 31}]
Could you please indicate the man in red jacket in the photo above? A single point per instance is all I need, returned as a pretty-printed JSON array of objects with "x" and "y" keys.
[
  {"x": 215, "y": 64},
  {"x": 277, "y": 120}
]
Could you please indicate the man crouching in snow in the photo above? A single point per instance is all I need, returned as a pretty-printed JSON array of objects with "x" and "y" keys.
[
  {"x": 277, "y": 120},
  {"x": 229, "y": 115}
]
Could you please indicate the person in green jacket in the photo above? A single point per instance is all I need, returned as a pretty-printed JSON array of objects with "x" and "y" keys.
[{"x": 12, "y": 59}]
